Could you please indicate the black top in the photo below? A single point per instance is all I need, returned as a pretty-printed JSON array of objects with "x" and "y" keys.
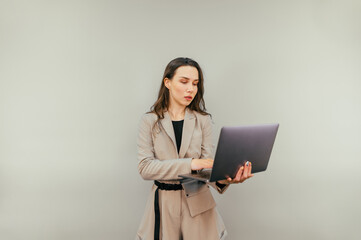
[{"x": 178, "y": 129}]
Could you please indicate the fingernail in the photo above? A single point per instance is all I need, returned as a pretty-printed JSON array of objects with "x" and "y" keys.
[{"x": 247, "y": 163}]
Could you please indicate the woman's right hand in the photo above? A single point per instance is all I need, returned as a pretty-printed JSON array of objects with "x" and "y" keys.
[{"x": 198, "y": 164}]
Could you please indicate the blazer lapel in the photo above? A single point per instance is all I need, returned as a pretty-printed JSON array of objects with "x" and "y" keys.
[
  {"x": 188, "y": 127},
  {"x": 168, "y": 127}
]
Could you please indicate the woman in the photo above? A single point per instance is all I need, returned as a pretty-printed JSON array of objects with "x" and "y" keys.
[{"x": 175, "y": 137}]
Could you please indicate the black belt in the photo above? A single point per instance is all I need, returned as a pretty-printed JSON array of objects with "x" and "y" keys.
[{"x": 161, "y": 186}]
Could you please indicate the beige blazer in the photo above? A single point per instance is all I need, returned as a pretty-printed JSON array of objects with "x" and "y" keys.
[{"x": 158, "y": 158}]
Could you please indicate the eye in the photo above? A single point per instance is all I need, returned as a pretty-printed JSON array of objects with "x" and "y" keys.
[{"x": 195, "y": 84}]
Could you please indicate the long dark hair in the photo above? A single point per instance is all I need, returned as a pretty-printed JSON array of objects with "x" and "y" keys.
[{"x": 162, "y": 103}]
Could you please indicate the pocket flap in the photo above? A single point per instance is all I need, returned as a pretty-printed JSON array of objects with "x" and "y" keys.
[{"x": 199, "y": 197}]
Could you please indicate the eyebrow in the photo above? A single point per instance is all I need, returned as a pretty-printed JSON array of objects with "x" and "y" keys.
[{"x": 188, "y": 78}]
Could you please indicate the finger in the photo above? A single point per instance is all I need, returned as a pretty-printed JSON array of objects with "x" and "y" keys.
[
  {"x": 239, "y": 174},
  {"x": 250, "y": 169},
  {"x": 211, "y": 162},
  {"x": 239, "y": 177},
  {"x": 208, "y": 163},
  {"x": 228, "y": 180},
  {"x": 245, "y": 172}
]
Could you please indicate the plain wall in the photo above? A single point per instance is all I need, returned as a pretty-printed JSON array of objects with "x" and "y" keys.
[{"x": 76, "y": 76}]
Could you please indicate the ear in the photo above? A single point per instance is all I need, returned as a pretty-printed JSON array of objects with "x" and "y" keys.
[{"x": 167, "y": 82}]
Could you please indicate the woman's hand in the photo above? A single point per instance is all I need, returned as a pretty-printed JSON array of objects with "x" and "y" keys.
[
  {"x": 242, "y": 175},
  {"x": 198, "y": 164}
]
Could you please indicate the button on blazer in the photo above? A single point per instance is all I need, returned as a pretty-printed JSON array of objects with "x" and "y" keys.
[{"x": 158, "y": 158}]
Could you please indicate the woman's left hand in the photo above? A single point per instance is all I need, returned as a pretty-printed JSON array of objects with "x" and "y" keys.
[{"x": 242, "y": 175}]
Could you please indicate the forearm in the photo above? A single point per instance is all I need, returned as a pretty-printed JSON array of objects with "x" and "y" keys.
[{"x": 155, "y": 169}]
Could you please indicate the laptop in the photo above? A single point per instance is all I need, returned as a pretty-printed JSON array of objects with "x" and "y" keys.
[{"x": 237, "y": 145}]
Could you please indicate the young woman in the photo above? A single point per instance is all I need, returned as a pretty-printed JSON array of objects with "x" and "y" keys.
[{"x": 175, "y": 137}]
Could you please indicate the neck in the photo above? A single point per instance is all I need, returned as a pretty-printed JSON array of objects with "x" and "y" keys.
[{"x": 176, "y": 114}]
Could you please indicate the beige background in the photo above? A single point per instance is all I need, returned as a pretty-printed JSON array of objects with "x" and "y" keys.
[{"x": 75, "y": 77}]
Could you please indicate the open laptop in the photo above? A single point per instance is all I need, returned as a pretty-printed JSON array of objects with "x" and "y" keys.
[{"x": 237, "y": 145}]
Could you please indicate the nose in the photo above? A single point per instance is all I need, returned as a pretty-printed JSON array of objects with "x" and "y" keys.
[{"x": 190, "y": 88}]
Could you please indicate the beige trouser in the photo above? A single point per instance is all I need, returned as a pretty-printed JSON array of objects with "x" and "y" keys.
[{"x": 176, "y": 222}]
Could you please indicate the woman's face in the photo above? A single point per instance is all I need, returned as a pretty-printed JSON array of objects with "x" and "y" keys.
[{"x": 183, "y": 86}]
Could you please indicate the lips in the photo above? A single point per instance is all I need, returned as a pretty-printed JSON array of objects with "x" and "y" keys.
[{"x": 189, "y": 98}]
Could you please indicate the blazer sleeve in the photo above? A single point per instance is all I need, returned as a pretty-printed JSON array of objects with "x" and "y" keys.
[
  {"x": 151, "y": 168},
  {"x": 208, "y": 148}
]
